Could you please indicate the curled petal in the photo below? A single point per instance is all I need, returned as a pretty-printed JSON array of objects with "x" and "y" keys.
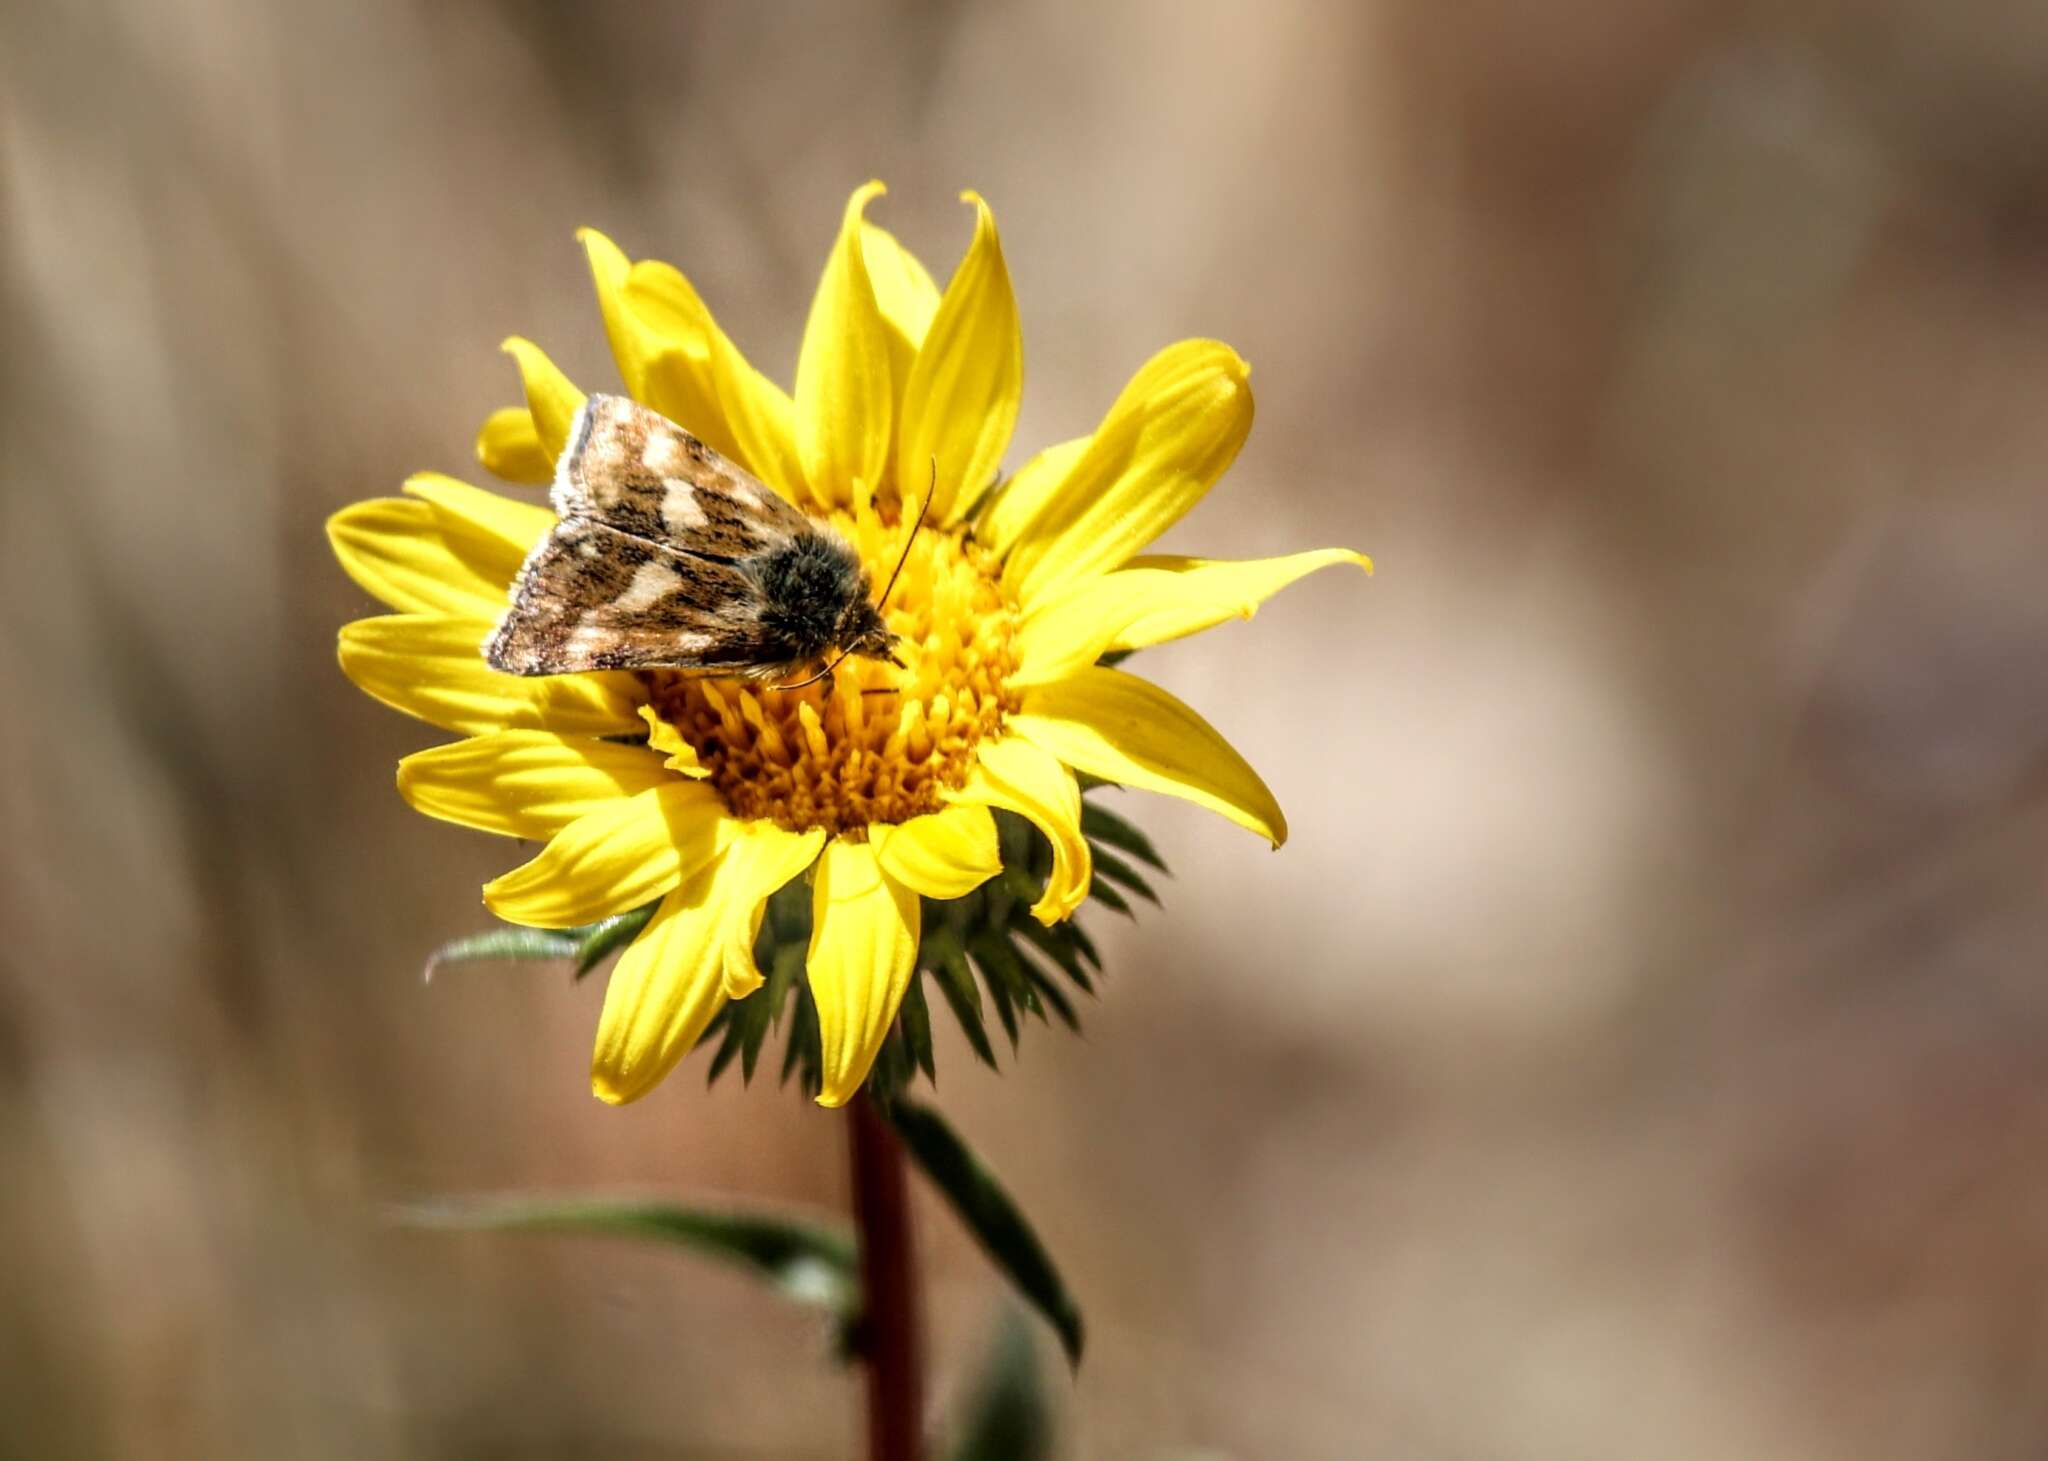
[
  {"x": 1019, "y": 500},
  {"x": 1124, "y": 729},
  {"x": 1170, "y": 435},
  {"x": 845, "y": 395},
  {"x": 665, "y": 989},
  {"x": 509, "y": 447},
  {"x": 968, "y": 379},
  {"x": 1019, "y": 777},
  {"x": 1150, "y": 601},
  {"x": 550, "y": 396},
  {"x": 432, "y": 666},
  {"x": 864, "y": 927},
  {"x": 613, "y": 858},
  {"x": 761, "y": 859},
  {"x": 946, "y": 854},
  {"x": 525, "y": 783},
  {"x": 664, "y": 739}
]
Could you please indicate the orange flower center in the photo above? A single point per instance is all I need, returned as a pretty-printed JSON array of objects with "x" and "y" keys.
[{"x": 802, "y": 759}]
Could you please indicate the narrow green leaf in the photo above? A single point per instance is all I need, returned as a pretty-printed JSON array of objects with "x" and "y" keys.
[
  {"x": 990, "y": 1215},
  {"x": 963, "y": 993},
  {"x": 1006, "y": 1418},
  {"x": 735, "y": 1036},
  {"x": 1109, "y": 865},
  {"x": 503, "y": 945},
  {"x": 598, "y": 940},
  {"x": 755, "y": 1015},
  {"x": 1104, "y": 893},
  {"x": 917, "y": 1028},
  {"x": 1083, "y": 942},
  {"x": 1053, "y": 996},
  {"x": 810, "y": 1261},
  {"x": 1100, "y": 824},
  {"x": 1057, "y": 945},
  {"x": 1002, "y": 968}
]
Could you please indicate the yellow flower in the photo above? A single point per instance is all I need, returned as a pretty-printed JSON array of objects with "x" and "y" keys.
[{"x": 710, "y": 795}]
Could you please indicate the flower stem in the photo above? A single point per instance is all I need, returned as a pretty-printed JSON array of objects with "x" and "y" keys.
[{"x": 889, "y": 1338}]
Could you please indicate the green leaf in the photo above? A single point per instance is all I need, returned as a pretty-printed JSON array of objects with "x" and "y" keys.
[
  {"x": 598, "y": 940},
  {"x": 1006, "y": 1418},
  {"x": 917, "y": 1028},
  {"x": 957, "y": 983},
  {"x": 1057, "y": 944},
  {"x": 1052, "y": 995},
  {"x": 813, "y": 1262},
  {"x": 1003, "y": 970},
  {"x": 504, "y": 945},
  {"x": 1108, "y": 865},
  {"x": 1100, "y": 824},
  {"x": 1102, "y": 892},
  {"x": 990, "y": 1215}
]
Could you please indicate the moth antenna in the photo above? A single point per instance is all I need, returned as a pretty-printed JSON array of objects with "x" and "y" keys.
[
  {"x": 903, "y": 558},
  {"x": 887, "y": 589}
]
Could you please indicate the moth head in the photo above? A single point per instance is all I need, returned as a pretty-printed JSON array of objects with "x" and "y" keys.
[{"x": 863, "y": 631}]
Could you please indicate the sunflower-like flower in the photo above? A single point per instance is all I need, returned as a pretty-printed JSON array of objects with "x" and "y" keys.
[{"x": 710, "y": 795}]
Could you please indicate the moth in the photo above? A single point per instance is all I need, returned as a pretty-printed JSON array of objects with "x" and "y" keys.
[{"x": 667, "y": 555}]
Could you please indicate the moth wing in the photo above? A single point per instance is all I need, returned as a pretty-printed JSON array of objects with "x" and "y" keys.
[
  {"x": 635, "y": 470},
  {"x": 592, "y": 597}
]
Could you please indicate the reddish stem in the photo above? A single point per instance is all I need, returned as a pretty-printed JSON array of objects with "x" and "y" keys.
[{"x": 889, "y": 1338}]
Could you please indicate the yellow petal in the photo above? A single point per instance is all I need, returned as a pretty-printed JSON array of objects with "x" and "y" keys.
[
  {"x": 1169, "y": 436},
  {"x": 550, "y": 396},
  {"x": 489, "y": 532},
  {"x": 961, "y": 403},
  {"x": 699, "y": 379},
  {"x": 760, "y": 860},
  {"x": 1019, "y": 777},
  {"x": 845, "y": 396},
  {"x": 1124, "y": 729},
  {"x": 903, "y": 286},
  {"x": 1152, "y": 600},
  {"x": 907, "y": 298},
  {"x": 509, "y": 447},
  {"x": 609, "y": 270},
  {"x": 393, "y": 548},
  {"x": 664, "y": 738},
  {"x": 525, "y": 783},
  {"x": 663, "y": 992},
  {"x": 864, "y": 927},
  {"x": 947, "y": 854},
  {"x": 613, "y": 858},
  {"x": 762, "y": 419},
  {"x": 1011, "y": 510},
  {"x": 432, "y": 666}
]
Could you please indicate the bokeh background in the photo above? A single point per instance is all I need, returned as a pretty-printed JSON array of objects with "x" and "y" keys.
[{"x": 1641, "y": 1047}]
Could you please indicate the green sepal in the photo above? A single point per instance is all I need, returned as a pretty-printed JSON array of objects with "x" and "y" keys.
[
  {"x": 1109, "y": 865},
  {"x": 989, "y": 1213}
]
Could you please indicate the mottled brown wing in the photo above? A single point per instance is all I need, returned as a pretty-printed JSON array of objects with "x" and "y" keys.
[
  {"x": 635, "y": 470},
  {"x": 592, "y": 597}
]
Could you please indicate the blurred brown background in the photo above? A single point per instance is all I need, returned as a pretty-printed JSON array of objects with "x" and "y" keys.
[{"x": 1641, "y": 1049}]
